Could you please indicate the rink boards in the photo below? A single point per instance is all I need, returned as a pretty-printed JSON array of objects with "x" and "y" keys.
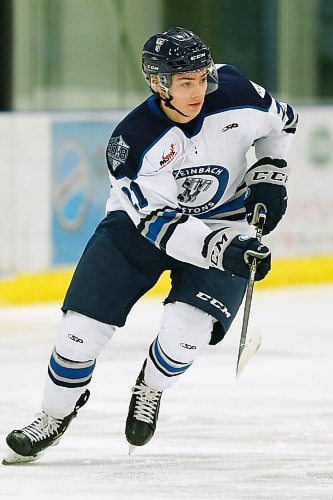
[
  {"x": 53, "y": 187},
  {"x": 51, "y": 286}
]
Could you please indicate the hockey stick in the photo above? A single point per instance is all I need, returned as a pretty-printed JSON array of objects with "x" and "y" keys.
[{"x": 246, "y": 351}]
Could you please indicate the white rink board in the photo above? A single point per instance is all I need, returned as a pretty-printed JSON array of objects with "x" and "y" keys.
[
  {"x": 26, "y": 192},
  {"x": 307, "y": 229},
  {"x": 267, "y": 436}
]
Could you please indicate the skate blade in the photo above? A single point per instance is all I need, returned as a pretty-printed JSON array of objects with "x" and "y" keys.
[
  {"x": 13, "y": 458},
  {"x": 131, "y": 449}
]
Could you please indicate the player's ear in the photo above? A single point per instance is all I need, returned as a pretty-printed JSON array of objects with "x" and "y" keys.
[
  {"x": 156, "y": 86},
  {"x": 155, "y": 83}
]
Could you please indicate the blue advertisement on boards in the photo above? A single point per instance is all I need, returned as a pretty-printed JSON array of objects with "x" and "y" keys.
[{"x": 80, "y": 185}]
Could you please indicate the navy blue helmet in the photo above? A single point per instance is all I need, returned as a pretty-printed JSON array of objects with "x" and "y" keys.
[{"x": 177, "y": 50}]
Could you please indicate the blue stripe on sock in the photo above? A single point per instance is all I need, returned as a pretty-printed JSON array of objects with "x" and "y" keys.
[
  {"x": 73, "y": 384},
  {"x": 70, "y": 373},
  {"x": 165, "y": 365}
]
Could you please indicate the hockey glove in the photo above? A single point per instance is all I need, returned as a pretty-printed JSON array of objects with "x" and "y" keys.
[
  {"x": 266, "y": 181},
  {"x": 227, "y": 250}
]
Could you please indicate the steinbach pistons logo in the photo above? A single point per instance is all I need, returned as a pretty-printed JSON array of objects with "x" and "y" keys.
[{"x": 200, "y": 189}]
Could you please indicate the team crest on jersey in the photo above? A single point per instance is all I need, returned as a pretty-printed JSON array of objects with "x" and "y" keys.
[
  {"x": 192, "y": 187},
  {"x": 117, "y": 151},
  {"x": 200, "y": 188},
  {"x": 168, "y": 157}
]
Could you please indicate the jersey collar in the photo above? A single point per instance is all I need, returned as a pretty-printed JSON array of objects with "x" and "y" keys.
[{"x": 153, "y": 104}]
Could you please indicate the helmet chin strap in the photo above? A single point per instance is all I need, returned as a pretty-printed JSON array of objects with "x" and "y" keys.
[{"x": 167, "y": 102}]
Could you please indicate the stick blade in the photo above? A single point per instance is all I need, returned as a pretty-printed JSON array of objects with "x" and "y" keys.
[
  {"x": 249, "y": 350},
  {"x": 131, "y": 449}
]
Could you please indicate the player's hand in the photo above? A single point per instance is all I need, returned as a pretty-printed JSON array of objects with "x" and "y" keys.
[
  {"x": 227, "y": 250},
  {"x": 266, "y": 181},
  {"x": 239, "y": 255}
]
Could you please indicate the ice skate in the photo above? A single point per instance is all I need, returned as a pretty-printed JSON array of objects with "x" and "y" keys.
[
  {"x": 28, "y": 444},
  {"x": 142, "y": 414}
]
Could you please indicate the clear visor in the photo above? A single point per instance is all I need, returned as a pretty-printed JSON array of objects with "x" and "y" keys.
[{"x": 212, "y": 78}]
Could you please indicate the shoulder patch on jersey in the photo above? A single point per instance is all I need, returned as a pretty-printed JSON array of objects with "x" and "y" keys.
[
  {"x": 133, "y": 137},
  {"x": 261, "y": 91},
  {"x": 117, "y": 151}
]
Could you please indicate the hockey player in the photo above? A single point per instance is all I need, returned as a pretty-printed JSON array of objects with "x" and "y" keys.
[{"x": 183, "y": 198}]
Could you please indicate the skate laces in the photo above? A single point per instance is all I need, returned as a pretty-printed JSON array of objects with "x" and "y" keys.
[
  {"x": 146, "y": 403},
  {"x": 44, "y": 426}
]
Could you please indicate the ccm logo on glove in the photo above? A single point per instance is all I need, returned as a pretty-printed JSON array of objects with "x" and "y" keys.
[
  {"x": 270, "y": 177},
  {"x": 227, "y": 250},
  {"x": 266, "y": 181}
]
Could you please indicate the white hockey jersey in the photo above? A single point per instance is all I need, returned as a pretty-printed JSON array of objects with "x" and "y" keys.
[{"x": 177, "y": 186}]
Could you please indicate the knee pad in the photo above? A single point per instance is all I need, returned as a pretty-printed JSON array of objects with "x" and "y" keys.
[
  {"x": 185, "y": 330},
  {"x": 81, "y": 338}
]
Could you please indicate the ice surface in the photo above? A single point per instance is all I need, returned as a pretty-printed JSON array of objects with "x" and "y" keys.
[{"x": 266, "y": 436}]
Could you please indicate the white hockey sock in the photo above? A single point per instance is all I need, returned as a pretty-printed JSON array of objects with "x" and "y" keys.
[
  {"x": 184, "y": 332},
  {"x": 78, "y": 343}
]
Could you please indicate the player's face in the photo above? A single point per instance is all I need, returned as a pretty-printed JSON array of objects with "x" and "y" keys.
[{"x": 188, "y": 91}]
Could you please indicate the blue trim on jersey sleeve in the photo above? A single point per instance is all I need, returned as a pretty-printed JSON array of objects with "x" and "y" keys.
[
  {"x": 156, "y": 226},
  {"x": 230, "y": 206},
  {"x": 290, "y": 115}
]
